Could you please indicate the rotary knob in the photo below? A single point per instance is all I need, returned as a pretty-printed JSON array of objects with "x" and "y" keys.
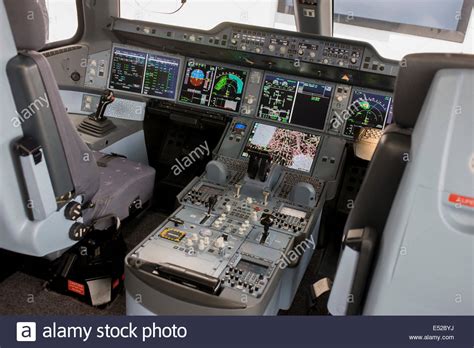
[
  {"x": 201, "y": 245},
  {"x": 219, "y": 243}
]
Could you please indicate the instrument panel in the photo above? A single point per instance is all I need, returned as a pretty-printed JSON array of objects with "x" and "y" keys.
[
  {"x": 333, "y": 103},
  {"x": 267, "y": 95}
]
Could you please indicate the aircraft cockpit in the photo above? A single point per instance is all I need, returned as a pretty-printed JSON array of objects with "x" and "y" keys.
[{"x": 275, "y": 162}]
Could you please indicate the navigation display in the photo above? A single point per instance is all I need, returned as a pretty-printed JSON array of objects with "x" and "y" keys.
[
  {"x": 288, "y": 100},
  {"x": 368, "y": 110},
  {"x": 289, "y": 148},
  {"x": 213, "y": 86},
  {"x": 141, "y": 72}
]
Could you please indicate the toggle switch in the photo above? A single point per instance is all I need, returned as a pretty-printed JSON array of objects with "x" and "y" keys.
[
  {"x": 237, "y": 190},
  {"x": 265, "y": 196}
]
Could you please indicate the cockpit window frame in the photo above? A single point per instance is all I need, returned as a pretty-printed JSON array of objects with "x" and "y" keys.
[
  {"x": 77, "y": 36},
  {"x": 457, "y": 35}
]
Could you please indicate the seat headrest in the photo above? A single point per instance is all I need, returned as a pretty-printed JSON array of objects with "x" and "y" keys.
[
  {"x": 29, "y": 22},
  {"x": 414, "y": 80}
]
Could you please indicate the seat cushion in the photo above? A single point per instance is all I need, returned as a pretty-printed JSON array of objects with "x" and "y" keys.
[{"x": 121, "y": 182}]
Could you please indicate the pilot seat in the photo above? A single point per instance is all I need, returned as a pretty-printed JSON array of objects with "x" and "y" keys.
[
  {"x": 67, "y": 189},
  {"x": 408, "y": 241}
]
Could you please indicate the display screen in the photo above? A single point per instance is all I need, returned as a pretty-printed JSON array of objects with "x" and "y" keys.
[
  {"x": 145, "y": 73},
  {"x": 288, "y": 100},
  {"x": 161, "y": 76},
  {"x": 239, "y": 128},
  {"x": 368, "y": 110},
  {"x": 127, "y": 70},
  {"x": 248, "y": 266},
  {"x": 293, "y": 212},
  {"x": 213, "y": 86},
  {"x": 289, "y": 148}
]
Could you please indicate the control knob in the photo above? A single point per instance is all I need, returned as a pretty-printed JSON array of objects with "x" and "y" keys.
[
  {"x": 219, "y": 243},
  {"x": 201, "y": 245}
]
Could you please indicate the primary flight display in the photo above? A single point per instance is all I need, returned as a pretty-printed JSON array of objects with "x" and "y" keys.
[{"x": 213, "y": 86}]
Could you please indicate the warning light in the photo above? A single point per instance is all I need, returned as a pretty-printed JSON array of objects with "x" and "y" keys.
[{"x": 346, "y": 78}]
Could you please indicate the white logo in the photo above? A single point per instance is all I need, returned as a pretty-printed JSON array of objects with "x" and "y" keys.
[{"x": 26, "y": 332}]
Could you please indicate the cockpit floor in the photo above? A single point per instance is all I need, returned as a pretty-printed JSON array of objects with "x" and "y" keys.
[{"x": 23, "y": 294}]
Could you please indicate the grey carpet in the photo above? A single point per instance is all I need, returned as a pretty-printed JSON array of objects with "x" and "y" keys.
[{"x": 23, "y": 294}]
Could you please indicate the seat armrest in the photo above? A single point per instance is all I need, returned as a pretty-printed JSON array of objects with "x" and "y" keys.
[
  {"x": 353, "y": 272},
  {"x": 41, "y": 199}
]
